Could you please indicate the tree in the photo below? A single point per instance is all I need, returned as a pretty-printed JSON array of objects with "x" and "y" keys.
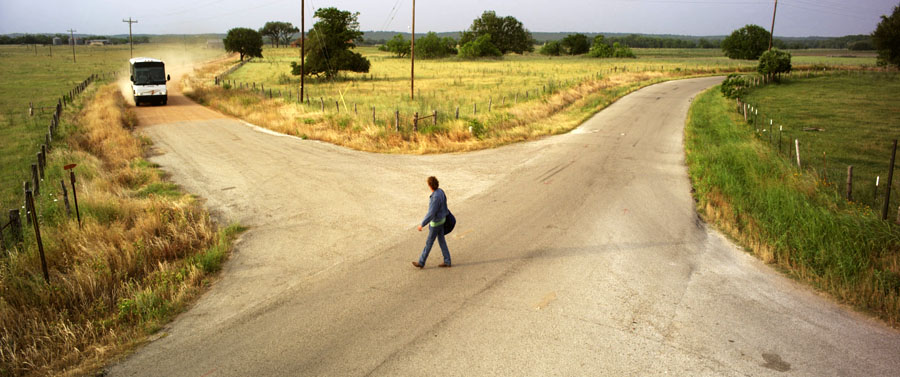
[
  {"x": 600, "y": 49},
  {"x": 507, "y": 33},
  {"x": 278, "y": 32},
  {"x": 247, "y": 42},
  {"x": 886, "y": 39},
  {"x": 622, "y": 51},
  {"x": 551, "y": 48},
  {"x": 398, "y": 46},
  {"x": 576, "y": 44},
  {"x": 330, "y": 41},
  {"x": 773, "y": 62},
  {"x": 432, "y": 47},
  {"x": 748, "y": 43},
  {"x": 480, "y": 47}
]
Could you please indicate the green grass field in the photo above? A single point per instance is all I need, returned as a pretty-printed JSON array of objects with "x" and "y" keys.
[
  {"x": 42, "y": 79},
  {"x": 860, "y": 115},
  {"x": 786, "y": 216}
]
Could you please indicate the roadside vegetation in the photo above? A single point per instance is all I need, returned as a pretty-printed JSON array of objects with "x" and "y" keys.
[
  {"x": 786, "y": 216},
  {"x": 143, "y": 251}
]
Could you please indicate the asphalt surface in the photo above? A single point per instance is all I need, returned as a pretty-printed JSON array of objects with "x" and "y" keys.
[{"x": 579, "y": 254}]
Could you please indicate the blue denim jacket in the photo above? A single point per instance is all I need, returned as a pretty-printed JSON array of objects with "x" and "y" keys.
[{"x": 437, "y": 208}]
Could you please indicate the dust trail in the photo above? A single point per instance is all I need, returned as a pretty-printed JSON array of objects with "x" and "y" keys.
[{"x": 180, "y": 62}]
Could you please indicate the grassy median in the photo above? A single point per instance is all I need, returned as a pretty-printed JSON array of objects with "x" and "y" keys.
[{"x": 787, "y": 217}]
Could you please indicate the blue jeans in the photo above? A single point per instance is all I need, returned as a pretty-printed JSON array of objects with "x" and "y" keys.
[{"x": 435, "y": 232}]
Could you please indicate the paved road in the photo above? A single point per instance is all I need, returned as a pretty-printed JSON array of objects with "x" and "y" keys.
[{"x": 579, "y": 254}]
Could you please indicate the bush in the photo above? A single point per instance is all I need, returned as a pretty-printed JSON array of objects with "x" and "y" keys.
[
  {"x": 600, "y": 48},
  {"x": 773, "y": 62},
  {"x": 551, "y": 48},
  {"x": 620, "y": 51},
  {"x": 575, "y": 44},
  {"x": 734, "y": 86},
  {"x": 432, "y": 47},
  {"x": 480, "y": 47}
]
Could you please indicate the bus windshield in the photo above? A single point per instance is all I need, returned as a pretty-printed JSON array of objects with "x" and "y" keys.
[{"x": 149, "y": 74}]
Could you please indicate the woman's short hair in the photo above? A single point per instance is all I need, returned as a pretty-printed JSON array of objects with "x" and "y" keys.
[{"x": 433, "y": 183}]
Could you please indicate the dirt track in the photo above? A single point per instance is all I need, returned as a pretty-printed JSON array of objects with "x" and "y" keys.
[{"x": 577, "y": 254}]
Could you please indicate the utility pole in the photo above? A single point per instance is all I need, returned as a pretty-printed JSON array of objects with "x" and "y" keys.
[
  {"x": 130, "y": 38},
  {"x": 72, "y": 41},
  {"x": 412, "y": 54},
  {"x": 302, "y": 45},
  {"x": 772, "y": 33}
]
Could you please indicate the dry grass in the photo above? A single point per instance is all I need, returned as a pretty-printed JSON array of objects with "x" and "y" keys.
[
  {"x": 519, "y": 98},
  {"x": 137, "y": 260}
]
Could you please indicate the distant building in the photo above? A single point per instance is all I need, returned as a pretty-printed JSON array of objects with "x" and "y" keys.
[
  {"x": 215, "y": 43},
  {"x": 98, "y": 42},
  {"x": 57, "y": 41}
]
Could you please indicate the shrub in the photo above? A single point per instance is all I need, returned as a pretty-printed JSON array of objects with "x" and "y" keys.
[
  {"x": 551, "y": 48},
  {"x": 773, "y": 62},
  {"x": 480, "y": 47},
  {"x": 734, "y": 86}
]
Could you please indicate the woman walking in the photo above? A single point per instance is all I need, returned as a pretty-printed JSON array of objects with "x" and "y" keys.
[{"x": 435, "y": 219}]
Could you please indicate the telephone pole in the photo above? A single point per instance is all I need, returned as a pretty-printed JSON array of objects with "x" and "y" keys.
[
  {"x": 72, "y": 41},
  {"x": 772, "y": 33},
  {"x": 130, "y": 39},
  {"x": 302, "y": 45},
  {"x": 412, "y": 54}
]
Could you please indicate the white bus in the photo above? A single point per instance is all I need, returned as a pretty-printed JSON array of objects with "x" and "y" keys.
[{"x": 148, "y": 80}]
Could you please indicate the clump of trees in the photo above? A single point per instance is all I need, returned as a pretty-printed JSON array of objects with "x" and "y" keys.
[
  {"x": 575, "y": 44},
  {"x": 748, "y": 43},
  {"x": 886, "y": 39},
  {"x": 329, "y": 43},
  {"x": 774, "y": 62},
  {"x": 398, "y": 45},
  {"x": 279, "y": 33},
  {"x": 551, "y": 48},
  {"x": 602, "y": 49},
  {"x": 431, "y": 46},
  {"x": 479, "y": 48},
  {"x": 505, "y": 34},
  {"x": 247, "y": 42}
]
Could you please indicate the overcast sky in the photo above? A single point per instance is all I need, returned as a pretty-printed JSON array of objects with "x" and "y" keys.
[{"x": 795, "y": 18}]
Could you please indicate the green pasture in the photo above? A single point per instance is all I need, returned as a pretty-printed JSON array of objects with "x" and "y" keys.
[
  {"x": 31, "y": 74},
  {"x": 859, "y": 113}
]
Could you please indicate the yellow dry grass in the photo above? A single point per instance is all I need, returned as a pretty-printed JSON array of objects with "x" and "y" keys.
[
  {"x": 499, "y": 101},
  {"x": 119, "y": 276}
]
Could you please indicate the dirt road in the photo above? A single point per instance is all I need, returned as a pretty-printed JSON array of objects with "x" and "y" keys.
[{"x": 580, "y": 254}]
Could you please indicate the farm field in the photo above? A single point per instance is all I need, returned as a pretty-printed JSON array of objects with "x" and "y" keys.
[
  {"x": 32, "y": 75},
  {"x": 859, "y": 114},
  {"x": 519, "y": 97}
]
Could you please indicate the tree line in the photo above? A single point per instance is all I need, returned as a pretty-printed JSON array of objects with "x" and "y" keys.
[{"x": 46, "y": 39}]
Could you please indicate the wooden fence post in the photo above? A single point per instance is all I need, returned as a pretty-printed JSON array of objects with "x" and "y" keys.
[
  {"x": 322, "y": 100},
  {"x": 75, "y": 197},
  {"x": 37, "y": 234},
  {"x": 416, "y": 122},
  {"x": 65, "y": 194},
  {"x": 15, "y": 225},
  {"x": 797, "y": 146},
  {"x": 887, "y": 196},
  {"x": 35, "y": 179},
  {"x": 850, "y": 183},
  {"x": 434, "y": 114},
  {"x": 397, "y": 120},
  {"x": 337, "y": 106},
  {"x": 490, "y": 103},
  {"x": 457, "y": 112}
]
